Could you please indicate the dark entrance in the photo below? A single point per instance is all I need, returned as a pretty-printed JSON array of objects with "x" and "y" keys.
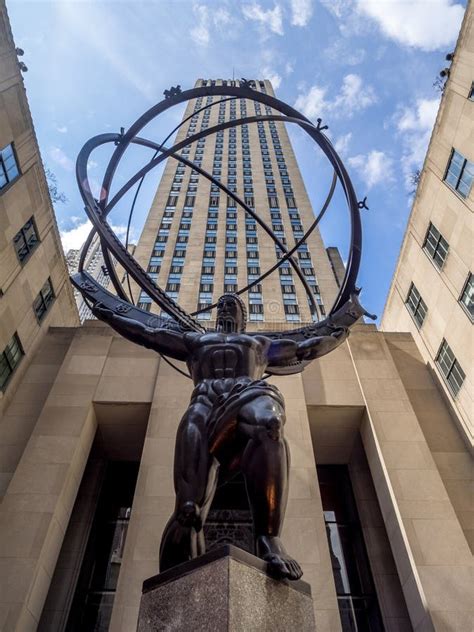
[
  {"x": 94, "y": 596},
  {"x": 357, "y": 599}
]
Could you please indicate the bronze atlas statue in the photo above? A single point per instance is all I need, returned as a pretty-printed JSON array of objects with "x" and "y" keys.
[{"x": 235, "y": 419}]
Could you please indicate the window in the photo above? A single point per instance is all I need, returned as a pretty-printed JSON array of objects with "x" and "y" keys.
[
  {"x": 9, "y": 170},
  {"x": 356, "y": 596},
  {"x": 467, "y": 297},
  {"x": 172, "y": 200},
  {"x": 460, "y": 174},
  {"x": 416, "y": 305},
  {"x": 26, "y": 240},
  {"x": 436, "y": 246},
  {"x": 9, "y": 360},
  {"x": 44, "y": 300},
  {"x": 96, "y": 586},
  {"x": 450, "y": 368}
]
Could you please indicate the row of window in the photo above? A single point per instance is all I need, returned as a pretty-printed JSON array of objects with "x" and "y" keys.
[
  {"x": 445, "y": 359},
  {"x": 13, "y": 352}
]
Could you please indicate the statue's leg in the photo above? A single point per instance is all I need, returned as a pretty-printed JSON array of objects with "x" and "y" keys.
[
  {"x": 195, "y": 475},
  {"x": 265, "y": 464}
]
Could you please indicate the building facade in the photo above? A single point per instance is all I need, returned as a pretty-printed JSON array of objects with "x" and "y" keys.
[
  {"x": 193, "y": 227},
  {"x": 35, "y": 292},
  {"x": 95, "y": 266},
  {"x": 432, "y": 292},
  {"x": 379, "y": 514}
]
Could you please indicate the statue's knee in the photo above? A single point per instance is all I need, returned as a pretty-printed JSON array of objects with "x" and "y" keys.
[{"x": 274, "y": 428}]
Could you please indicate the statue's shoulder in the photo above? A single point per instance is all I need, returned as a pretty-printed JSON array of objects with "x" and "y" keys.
[{"x": 193, "y": 338}]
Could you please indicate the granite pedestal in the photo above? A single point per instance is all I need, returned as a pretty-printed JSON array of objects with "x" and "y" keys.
[{"x": 225, "y": 590}]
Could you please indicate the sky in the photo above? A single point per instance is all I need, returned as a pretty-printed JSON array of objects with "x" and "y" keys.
[{"x": 366, "y": 67}]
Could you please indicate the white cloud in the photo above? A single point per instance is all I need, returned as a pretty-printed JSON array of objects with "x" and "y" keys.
[
  {"x": 288, "y": 68},
  {"x": 200, "y": 33},
  {"x": 353, "y": 97},
  {"x": 62, "y": 129},
  {"x": 221, "y": 17},
  {"x": 429, "y": 25},
  {"x": 270, "y": 18},
  {"x": 92, "y": 164},
  {"x": 343, "y": 52},
  {"x": 341, "y": 144},
  {"x": 75, "y": 238},
  {"x": 415, "y": 125},
  {"x": 272, "y": 76},
  {"x": 374, "y": 168},
  {"x": 313, "y": 103},
  {"x": 206, "y": 20},
  {"x": 59, "y": 157},
  {"x": 301, "y": 12}
]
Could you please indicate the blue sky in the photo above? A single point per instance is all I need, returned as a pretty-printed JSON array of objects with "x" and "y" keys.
[{"x": 366, "y": 67}]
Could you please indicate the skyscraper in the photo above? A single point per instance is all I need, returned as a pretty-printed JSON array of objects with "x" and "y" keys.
[
  {"x": 432, "y": 292},
  {"x": 196, "y": 242},
  {"x": 95, "y": 266}
]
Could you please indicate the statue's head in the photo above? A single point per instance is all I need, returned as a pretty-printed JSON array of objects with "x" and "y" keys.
[{"x": 231, "y": 314}]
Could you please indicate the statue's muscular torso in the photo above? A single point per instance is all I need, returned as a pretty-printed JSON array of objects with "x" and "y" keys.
[{"x": 219, "y": 356}]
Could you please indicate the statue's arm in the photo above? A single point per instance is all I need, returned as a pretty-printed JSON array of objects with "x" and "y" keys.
[
  {"x": 164, "y": 341},
  {"x": 321, "y": 345}
]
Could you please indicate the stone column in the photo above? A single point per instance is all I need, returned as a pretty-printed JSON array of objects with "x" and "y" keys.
[
  {"x": 39, "y": 499},
  {"x": 431, "y": 553}
]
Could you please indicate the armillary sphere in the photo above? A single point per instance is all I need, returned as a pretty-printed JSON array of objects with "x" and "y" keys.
[{"x": 346, "y": 309}]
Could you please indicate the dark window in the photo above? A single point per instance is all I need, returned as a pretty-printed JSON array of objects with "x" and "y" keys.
[
  {"x": 436, "y": 246},
  {"x": 144, "y": 305},
  {"x": 214, "y": 200},
  {"x": 26, "y": 240},
  {"x": 97, "y": 583},
  {"x": 172, "y": 200},
  {"x": 206, "y": 287},
  {"x": 249, "y": 201},
  {"x": 290, "y": 201},
  {"x": 416, "y": 305},
  {"x": 356, "y": 596},
  {"x": 291, "y": 309},
  {"x": 467, "y": 297},
  {"x": 43, "y": 301},
  {"x": 253, "y": 270},
  {"x": 273, "y": 201},
  {"x": 460, "y": 174},
  {"x": 189, "y": 200},
  {"x": 231, "y": 269},
  {"x": 155, "y": 269},
  {"x": 207, "y": 270},
  {"x": 255, "y": 308},
  {"x": 230, "y": 287},
  {"x": 9, "y": 360},
  {"x": 9, "y": 170},
  {"x": 173, "y": 287},
  {"x": 450, "y": 368}
]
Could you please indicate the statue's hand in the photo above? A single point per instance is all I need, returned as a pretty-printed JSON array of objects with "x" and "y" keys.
[{"x": 340, "y": 333}]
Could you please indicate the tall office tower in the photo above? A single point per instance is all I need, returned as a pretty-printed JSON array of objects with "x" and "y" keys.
[
  {"x": 35, "y": 292},
  {"x": 432, "y": 293},
  {"x": 196, "y": 242},
  {"x": 95, "y": 266}
]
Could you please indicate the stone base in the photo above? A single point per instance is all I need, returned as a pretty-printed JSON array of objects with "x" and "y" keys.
[{"x": 225, "y": 590}]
